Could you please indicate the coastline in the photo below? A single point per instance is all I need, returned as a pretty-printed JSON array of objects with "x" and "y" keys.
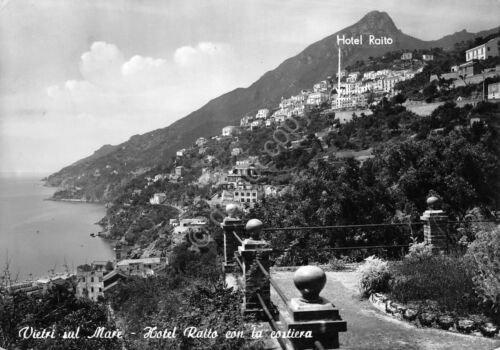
[
  {"x": 41, "y": 235},
  {"x": 58, "y": 189},
  {"x": 73, "y": 200}
]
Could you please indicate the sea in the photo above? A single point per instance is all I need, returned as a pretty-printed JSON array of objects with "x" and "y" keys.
[{"x": 40, "y": 236}]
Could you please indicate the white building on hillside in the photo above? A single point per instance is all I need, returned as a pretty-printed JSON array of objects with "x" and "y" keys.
[
  {"x": 388, "y": 83},
  {"x": 230, "y": 130},
  {"x": 343, "y": 73},
  {"x": 160, "y": 177},
  {"x": 407, "y": 56},
  {"x": 489, "y": 49},
  {"x": 180, "y": 153},
  {"x": 494, "y": 91},
  {"x": 278, "y": 117},
  {"x": 257, "y": 123},
  {"x": 369, "y": 75},
  {"x": 317, "y": 98},
  {"x": 195, "y": 224},
  {"x": 383, "y": 73},
  {"x": 322, "y": 86},
  {"x": 246, "y": 121},
  {"x": 236, "y": 151},
  {"x": 200, "y": 141},
  {"x": 95, "y": 279},
  {"x": 262, "y": 113},
  {"x": 352, "y": 77},
  {"x": 158, "y": 198},
  {"x": 248, "y": 194},
  {"x": 141, "y": 267}
]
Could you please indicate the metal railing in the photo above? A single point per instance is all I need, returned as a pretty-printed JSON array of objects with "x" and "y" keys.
[
  {"x": 328, "y": 227},
  {"x": 300, "y": 228},
  {"x": 341, "y": 238},
  {"x": 237, "y": 237},
  {"x": 272, "y": 322},
  {"x": 390, "y": 251},
  {"x": 239, "y": 262},
  {"x": 273, "y": 282},
  {"x": 402, "y": 232},
  {"x": 318, "y": 345}
]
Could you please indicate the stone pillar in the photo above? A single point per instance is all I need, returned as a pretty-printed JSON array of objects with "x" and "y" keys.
[
  {"x": 253, "y": 279},
  {"x": 118, "y": 251},
  {"x": 312, "y": 313},
  {"x": 231, "y": 224},
  {"x": 435, "y": 225}
]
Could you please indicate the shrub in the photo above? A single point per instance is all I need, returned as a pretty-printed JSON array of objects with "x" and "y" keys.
[
  {"x": 335, "y": 264},
  {"x": 419, "y": 251},
  {"x": 375, "y": 276},
  {"x": 446, "y": 279},
  {"x": 484, "y": 254}
]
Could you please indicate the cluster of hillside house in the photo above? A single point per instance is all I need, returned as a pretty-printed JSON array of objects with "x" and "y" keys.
[
  {"x": 95, "y": 279},
  {"x": 38, "y": 287},
  {"x": 352, "y": 93},
  {"x": 90, "y": 281},
  {"x": 472, "y": 71}
]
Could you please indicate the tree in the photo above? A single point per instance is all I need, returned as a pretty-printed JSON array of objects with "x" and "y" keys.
[
  {"x": 399, "y": 99},
  {"x": 484, "y": 253},
  {"x": 59, "y": 310},
  {"x": 430, "y": 92},
  {"x": 189, "y": 293}
]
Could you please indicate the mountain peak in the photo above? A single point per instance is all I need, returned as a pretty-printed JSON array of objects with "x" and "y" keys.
[
  {"x": 377, "y": 20},
  {"x": 377, "y": 16}
]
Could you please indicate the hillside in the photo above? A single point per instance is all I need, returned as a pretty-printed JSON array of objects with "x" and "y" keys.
[
  {"x": 100, "y": 173},
  {"x": 448, "y": 42}
]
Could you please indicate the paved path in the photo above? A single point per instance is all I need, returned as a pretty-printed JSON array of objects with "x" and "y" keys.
[{"x": 370, "y": 329}]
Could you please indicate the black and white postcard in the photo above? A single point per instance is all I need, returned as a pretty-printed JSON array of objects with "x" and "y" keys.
[{"x": 249, "y": 174}]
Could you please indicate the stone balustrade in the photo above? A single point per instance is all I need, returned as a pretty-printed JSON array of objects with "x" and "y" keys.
[{"x": 313, "y": 317}]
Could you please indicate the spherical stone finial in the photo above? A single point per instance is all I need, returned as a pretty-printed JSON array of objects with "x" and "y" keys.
[
  {"x": 254, "y": 227},
  {"x": 231, "y": 210},
  {"x": 309, "y": 280},
  {"x": 432, "y": 202}
]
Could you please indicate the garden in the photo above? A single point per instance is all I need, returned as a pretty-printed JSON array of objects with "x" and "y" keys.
[{"x": 456, "y": 291}]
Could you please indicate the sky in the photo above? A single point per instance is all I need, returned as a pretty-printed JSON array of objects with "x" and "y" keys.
[{"x": 78, "y": 74}]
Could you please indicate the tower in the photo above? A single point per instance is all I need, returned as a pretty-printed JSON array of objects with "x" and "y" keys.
[
  {"x": 338, "y": 75},
  {"x": 338, "y": 80}
]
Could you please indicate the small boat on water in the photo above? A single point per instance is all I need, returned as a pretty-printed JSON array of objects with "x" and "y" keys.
[{"x": 92, "y": 234}]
